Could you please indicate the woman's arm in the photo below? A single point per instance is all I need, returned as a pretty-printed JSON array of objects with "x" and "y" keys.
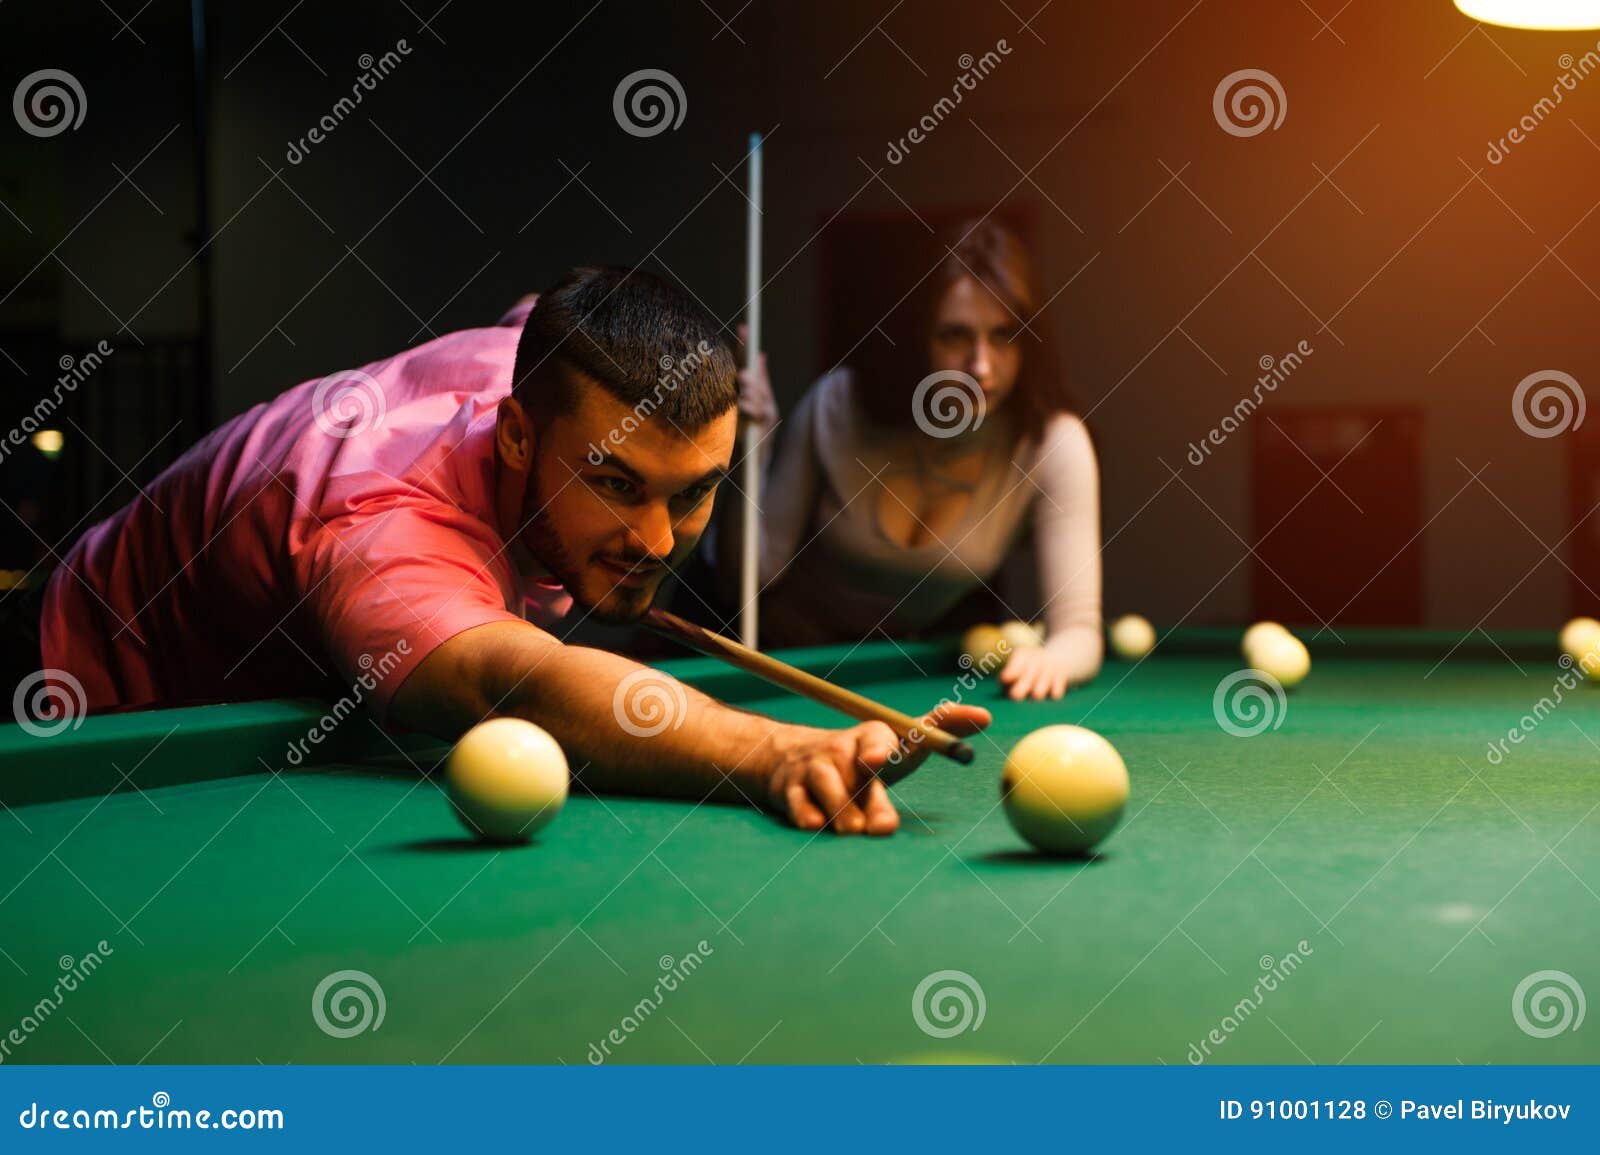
[{"x": 1067, "y": 538}]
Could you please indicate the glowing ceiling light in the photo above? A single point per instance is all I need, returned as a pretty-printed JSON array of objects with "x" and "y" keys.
[
  {"x": 1548, "y": 14},
  {"x": 49, "y": 442}
]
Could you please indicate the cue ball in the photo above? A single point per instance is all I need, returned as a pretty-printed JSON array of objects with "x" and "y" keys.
[
  {"x": 1063, "y": 788},
  {"x": 1132, "y": 637},
  {"x": 1257, "y": 634},
  {"x": 1022, "y": 636},
  {"x": 983, "y": 648},
  {"x": 1283, "y": 656},
  {"x": 1579, "y": 638},
  {"x": 507, "y": 779}
]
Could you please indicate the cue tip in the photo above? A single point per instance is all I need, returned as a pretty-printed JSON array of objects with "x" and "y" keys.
[{"x": 963, "y": 753}]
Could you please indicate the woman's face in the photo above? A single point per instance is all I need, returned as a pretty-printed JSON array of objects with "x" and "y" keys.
[{"x": 974, "y": 333}]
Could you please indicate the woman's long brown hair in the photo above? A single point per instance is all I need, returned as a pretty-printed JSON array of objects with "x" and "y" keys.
[{"x": 996, "y": 257}]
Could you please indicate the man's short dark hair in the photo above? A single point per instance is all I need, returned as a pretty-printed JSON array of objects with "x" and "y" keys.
[{"x": 644, "y": 341}]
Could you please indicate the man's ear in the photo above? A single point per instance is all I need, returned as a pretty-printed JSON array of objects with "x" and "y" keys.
[{"x": 513, "y": 435}]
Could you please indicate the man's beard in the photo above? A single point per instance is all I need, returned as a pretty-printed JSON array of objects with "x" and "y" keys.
[{"x": 622, "y": 605}]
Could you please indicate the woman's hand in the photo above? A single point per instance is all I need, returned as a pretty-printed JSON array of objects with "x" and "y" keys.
[
  {"x": 757, "y": 406},
  {"x": 1035, "y": 673}
]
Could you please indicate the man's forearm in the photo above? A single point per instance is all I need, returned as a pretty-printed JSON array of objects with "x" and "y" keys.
[
  {"x": 624, "y": 727},
  {"x": 634, "y": 730}
]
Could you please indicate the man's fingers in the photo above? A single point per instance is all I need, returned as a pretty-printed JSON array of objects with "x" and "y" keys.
[
  {"x": 828, "y": 789},
  {"x": 875, "y": 744},
  {"x": 802, "y": 811},
  {"x": 958, "y": 718},
  {"x": 881, "y": 816}
]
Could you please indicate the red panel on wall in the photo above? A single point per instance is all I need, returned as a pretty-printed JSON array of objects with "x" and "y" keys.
[
  {"x": 1337, "y": 505},
  {"x": 1583, "y": 490}
]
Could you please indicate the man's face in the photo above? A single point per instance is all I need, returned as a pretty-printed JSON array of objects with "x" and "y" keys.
[{"x": 612, "y": 502}]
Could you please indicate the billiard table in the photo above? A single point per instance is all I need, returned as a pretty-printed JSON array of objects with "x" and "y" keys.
[{"x": 1357, "y": 876}]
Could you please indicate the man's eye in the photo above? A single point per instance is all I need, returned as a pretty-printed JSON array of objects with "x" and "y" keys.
[
  {"x": 620, "y": 486},
  {"x": 693, "y": 496}
]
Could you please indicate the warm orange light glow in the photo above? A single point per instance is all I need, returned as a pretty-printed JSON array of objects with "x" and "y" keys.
[{"x": 1548, "y": 14}]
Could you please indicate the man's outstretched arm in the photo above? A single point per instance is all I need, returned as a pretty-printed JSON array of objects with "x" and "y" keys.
[{"x": 813, "y": 776}]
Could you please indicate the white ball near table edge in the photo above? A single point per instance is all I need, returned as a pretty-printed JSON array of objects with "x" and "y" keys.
[
  {"x": 1258, "y": 632},
  {"x": 1020, "y": 635},
  {"x": 1580, "y": 639},
  {"x": 1285, "y": 657},
  {"x": 983, "y": 649},
  {"x": 1132, "y": 637}
]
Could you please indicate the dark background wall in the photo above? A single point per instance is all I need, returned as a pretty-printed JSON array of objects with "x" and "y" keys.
[{"x": 1369, "y": 224}]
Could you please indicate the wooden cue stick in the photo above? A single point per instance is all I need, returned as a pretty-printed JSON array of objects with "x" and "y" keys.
[
  {"x": 809, "y": 685},
  {"x": 749, "y": 559}
]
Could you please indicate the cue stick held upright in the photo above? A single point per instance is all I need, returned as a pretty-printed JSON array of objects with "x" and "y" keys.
[{"x": 749, "y": 558}]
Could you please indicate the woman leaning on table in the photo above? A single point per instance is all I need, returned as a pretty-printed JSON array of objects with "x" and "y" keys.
[{"x": 895, "y": 492}]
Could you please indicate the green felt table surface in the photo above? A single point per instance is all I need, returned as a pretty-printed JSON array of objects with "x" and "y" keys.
[{"x": 1415, "y": 880}]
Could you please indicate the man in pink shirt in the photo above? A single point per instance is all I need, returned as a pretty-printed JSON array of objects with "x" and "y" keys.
[{"x": 423, "y": 517}]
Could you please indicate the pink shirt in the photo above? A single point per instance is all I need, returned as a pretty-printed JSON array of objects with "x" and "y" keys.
[{"x": 333, "y": 536}]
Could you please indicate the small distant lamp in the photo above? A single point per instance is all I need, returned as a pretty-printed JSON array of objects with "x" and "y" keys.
[
  {"x": 49, "y": 442},
  {"x": 1552, "y": 15}
]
